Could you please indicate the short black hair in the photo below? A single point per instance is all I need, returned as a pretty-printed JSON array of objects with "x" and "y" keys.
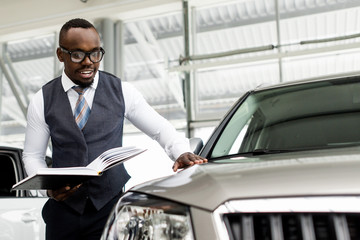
[{"x": 74, "y": 23}]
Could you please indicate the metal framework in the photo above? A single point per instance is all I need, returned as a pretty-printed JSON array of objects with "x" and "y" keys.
[{"x": 192, "y": 64}]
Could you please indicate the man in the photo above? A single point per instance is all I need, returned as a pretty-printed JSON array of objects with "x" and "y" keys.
[{"x": 80, "y": 212}]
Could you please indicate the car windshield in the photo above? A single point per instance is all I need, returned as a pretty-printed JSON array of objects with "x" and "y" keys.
[{"x": 316, "y": 115}]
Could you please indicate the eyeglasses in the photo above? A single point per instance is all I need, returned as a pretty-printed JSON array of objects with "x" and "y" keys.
[{"x": 79, "y": 56}]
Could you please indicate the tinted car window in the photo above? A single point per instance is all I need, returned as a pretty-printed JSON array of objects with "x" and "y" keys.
[
  {"x": 7, "y": 176},
  {"x": 298, "y": 117}
]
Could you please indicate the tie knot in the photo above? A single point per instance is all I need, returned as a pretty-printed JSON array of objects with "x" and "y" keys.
[{"x": 79, "y": 90}]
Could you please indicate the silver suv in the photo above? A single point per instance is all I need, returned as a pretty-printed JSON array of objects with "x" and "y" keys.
[{"x": 283, "y": 164}]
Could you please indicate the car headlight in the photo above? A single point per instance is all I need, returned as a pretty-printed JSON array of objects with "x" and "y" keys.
[{"x": 139, "y": 216}]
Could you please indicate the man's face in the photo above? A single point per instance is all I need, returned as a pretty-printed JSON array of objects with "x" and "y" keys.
[{"x": 79, "y": 39}]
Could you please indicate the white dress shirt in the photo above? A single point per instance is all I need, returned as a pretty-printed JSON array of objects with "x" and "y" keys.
[{"x": 137, "y": 111}]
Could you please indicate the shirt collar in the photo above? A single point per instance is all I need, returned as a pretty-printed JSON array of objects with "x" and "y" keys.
[{"x": 68, "y": 84}]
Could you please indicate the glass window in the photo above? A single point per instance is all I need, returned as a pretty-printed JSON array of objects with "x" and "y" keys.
[
  {"x": 300, "y": 117},
  {"x": 228, "y": 27},
  {"x": 322, "y": 64},
  {"x": 235, "y": 25},
  {"x": 30, "y": 63},
  {"x": 149, "y": 47},
  {"x": 306, "y": 24},
  {"x": 316, "y": 37},
  {"x": 309, "y": 39},
  {"x": 7, "y": 176},
  {"x": 218, "y": 89}
]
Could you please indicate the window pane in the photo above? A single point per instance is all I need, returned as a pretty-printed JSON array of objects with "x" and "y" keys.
[
  {"x": 150, "y": 46},
  {"x": 248, "y": 27},
  {"x": 315, "y": 65},
  {"x": 30, "y": 64},
  {"x": 218, "y": 89},
  {"x": 319, "y": 38},
  {"x": 235, "y": 26},
  {"x": 304, "y": 21}
]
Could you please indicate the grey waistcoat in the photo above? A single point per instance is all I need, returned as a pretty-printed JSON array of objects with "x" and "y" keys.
[{"x": 103, "y": 130}]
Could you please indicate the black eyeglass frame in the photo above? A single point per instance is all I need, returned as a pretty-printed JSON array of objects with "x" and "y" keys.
[{"x": 87, "y": 54}]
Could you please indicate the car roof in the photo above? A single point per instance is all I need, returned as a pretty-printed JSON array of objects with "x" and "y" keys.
[{"x": 324, "y": 78}]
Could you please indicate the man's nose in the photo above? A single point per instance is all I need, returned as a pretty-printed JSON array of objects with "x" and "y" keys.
[{"x": 87, "y": 60}]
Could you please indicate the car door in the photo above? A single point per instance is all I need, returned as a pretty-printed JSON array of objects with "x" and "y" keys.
[{"x": 20, "y": 211}]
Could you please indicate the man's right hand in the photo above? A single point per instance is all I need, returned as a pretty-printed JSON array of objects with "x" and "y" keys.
[{"x": 63, "y": 193}]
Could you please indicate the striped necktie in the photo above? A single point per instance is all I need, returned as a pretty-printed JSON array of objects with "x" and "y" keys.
[{"x": 82, "y": 109}]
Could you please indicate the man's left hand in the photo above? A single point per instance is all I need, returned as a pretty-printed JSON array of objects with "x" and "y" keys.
[{"x": 188, "y": 159}]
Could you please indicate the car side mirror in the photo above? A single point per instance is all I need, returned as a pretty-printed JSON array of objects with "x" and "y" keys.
[{"x": 196, "y": 145}]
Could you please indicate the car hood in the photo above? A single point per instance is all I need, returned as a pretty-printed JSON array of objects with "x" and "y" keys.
[{"x": 330, "y": 172}]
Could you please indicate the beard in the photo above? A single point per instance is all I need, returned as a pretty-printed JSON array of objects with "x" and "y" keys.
[
  {"x": 82, "y": 76},
  {"x": 83, "y": 84}
]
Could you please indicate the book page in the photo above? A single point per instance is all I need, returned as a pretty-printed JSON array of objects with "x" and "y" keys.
[
  {"x": 53, "y": 178},
  {"x": 67, "y": 171},
  {"x": 112, "y": 157}
]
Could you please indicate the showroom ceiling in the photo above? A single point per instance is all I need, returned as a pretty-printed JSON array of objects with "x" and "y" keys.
[{"x": 153, "y": 46}]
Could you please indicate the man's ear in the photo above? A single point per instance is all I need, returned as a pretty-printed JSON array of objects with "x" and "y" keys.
[{"x": 59, "y": 54}]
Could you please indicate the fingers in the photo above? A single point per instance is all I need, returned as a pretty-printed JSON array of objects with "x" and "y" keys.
[
  {"x": 192, "y": 159},
  {"x": 187, "y": 160},
  {"x": 175, "y": 166},
  {"x": 197, "y": 159},
  {"x": 183, "y": 161},
  {"x": 63, "y": 193}
]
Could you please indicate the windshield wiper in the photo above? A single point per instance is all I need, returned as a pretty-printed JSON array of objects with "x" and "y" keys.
[
  {"x": 254, "y": 153},
  {"x": 264, "y": 151}
]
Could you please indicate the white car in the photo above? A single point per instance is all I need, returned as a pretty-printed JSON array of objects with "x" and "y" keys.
[
  {"x": 283, "y": 164},
  {"x": 20, "y": 211}
]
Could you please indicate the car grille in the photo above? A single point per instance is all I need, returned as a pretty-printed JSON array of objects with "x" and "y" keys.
[
  {"x": 310, "y": 218},
  {"x": 293, "y": 226}
]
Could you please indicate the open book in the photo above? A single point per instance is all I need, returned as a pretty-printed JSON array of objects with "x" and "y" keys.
[{"x": 53, "y": 178}]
